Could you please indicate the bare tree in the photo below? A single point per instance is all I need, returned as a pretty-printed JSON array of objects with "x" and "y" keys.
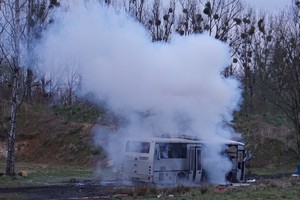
[
  {"x": 161, "y": 21},
  {"x": 137, "y": 8},
  {"x": 262, "y": 55},
  {"x": 216, "y": 17},
  {"x": 72, "y": 84},
  {"x": 12, "y": 15},
  {"x": 15, "y": 21},
  {"x": 251, "y": 54},
  {"x": 283, "y": 71},
  {"x": 191, "y": 20},
  {"x": 243, "y": 56},
  {"x": 37, "y": 20},
  {"x": 219, "y": 18}
]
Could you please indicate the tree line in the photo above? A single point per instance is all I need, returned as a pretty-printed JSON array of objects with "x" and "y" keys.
[{"x": 264, "y": 48}]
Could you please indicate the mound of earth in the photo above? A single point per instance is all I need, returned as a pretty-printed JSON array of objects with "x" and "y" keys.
[{"x": 44, "y": 137}]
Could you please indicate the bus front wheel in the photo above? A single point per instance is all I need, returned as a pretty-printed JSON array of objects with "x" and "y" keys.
[{"x": 181, "y": 178}]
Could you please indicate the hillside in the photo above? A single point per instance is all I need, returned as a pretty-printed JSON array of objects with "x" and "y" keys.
[
  {"x": 54, "y": 135},
  {"x": 62, "y": 135},
  {"x": 271, "y": 140}
]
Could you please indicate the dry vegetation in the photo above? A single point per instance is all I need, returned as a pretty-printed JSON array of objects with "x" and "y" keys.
[
  {"x": 60, "y": 135},
  {"x": 47, "y": 137},
  {"x": 271, "y": 140}
]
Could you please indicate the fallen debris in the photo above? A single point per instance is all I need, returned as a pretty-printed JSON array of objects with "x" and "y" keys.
[
  {"x": 22, "y": 173},
  {"x": 221, "y": 189},
  {"x": 251, "y": 180}
]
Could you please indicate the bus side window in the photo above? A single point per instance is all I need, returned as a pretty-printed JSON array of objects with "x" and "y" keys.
[
  {"x": 157, "y": 153},
  {"x": 162, "y": 152}
]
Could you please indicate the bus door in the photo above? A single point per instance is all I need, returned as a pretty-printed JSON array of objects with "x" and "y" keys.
[
  {"x": 240, "y": 176},
  {"x": 195, "y": 167}
]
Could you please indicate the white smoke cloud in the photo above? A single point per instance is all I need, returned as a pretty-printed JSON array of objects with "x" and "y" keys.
[
  {"x": 268, "y": 5},
  {"x": 178, "y": 83}
]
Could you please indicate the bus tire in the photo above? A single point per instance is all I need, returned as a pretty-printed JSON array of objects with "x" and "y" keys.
[
  {"x": 181, "y": 178},
  {"x": 230, "y": 177},
  {"x": 204, "y": 177}
]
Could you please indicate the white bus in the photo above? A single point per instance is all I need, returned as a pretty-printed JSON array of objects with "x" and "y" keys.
[
  {"x": 162, "y": 161},
  {"x": 176, "y": 160}
]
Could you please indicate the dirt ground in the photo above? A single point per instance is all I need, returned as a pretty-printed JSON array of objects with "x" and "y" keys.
[
  {"x": 62, "y": 192},
  {"x": 113, "y": 190}
]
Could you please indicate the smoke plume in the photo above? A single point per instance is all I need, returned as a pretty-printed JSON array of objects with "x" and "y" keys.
[{"x": 171, "y": 88}]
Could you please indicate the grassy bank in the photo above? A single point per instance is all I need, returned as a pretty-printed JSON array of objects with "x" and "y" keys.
[{"x": 45, "y": 174}]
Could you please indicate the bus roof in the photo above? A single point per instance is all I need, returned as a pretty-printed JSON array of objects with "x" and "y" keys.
[
  {"x": 186, "y": 140},
  {"x": 164, "y": 139},
  {"x": 221, "y": 141}
]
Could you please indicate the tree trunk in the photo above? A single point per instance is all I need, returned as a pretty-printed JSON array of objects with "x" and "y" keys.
[
  {"x": 11, "y": 139},
  {"x": 297, "y": 127},
  {"x": 29, "y": 74},
  {"x": 28, "y": 91}
]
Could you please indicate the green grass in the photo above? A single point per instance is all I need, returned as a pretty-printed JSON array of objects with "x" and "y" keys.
[
  {"x": 78, "y": 112},
  {"x": 277, "y": 120},
  {"x": 267, "y": 171},
  {"x": 267, "y": 189},
  {"x": 246, "y": 192},
  {"x": 13, "y": 196},
  {"x": 266, "y": 193},
  {"x": 39, "y": 174}
]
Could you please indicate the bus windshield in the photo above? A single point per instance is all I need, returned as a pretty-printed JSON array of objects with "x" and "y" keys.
[{"x": 137, "y": 147}]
